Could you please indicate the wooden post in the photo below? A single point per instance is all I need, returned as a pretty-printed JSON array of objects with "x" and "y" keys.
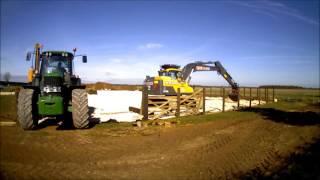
[
  {"x": 250, "y": 97},
  {"x": 272, "y": 94},
  {"x": 194, "y": 88},
  {"x": 223, "y": 99},
  {"x": 204, "y": 101},
  {"x": 244, "y": 92},
  {"x": 178, "y": 104},
  {"x": 238, "y": 101},
  {"x": 257, "y": 93},
  {"x": 145, "y": 103},
  {"x": 267, "y": 95},
  {"x": 259, "y": 98}
]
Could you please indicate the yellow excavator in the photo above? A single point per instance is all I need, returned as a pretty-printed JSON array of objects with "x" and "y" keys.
[{"x": 171, "y": 77}]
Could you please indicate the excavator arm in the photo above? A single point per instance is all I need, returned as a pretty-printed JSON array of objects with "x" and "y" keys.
[{"x": 211, "y": 66}]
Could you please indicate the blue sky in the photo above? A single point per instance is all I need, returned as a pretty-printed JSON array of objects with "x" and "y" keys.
[{"x": 259, "y": 42}]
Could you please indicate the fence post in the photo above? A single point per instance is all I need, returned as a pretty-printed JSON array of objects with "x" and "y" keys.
[
  {"x": 204, "y": 101},
  {"x": 267, "y": 95},
  {"x": 223, "y": 99},
  {"x": 238, "y": 101},
  {"x": 178, "y": 104},
  {"x": 259, "y": 98},
  {"x": 272, "y": 94},
  {"x": 244, "y": 92},
  {"x": 257, "y": 93},
  {"x": 145, "y": 103},
  {"x": 250, "y": 97}
]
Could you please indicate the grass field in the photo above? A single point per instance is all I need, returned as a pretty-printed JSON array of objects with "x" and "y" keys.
[
  {"x": 301, "y": 95},
  {"x": 8, "y": 108}
]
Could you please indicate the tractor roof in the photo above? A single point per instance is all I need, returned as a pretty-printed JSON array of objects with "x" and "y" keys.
[{"x": 58, "y": 53}]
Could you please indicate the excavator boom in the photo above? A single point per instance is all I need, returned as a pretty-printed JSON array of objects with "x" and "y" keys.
[{"x": 211, "y": 66}]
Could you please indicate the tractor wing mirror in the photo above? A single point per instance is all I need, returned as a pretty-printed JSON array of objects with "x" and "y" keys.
[
  {"x": 28, "y": 56},
  {"x": 84, "y": 59}
]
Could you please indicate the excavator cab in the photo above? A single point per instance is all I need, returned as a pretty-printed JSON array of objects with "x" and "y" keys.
[
  {"x": 168, "y": 81},
  {"x": 172, "y": 73}
]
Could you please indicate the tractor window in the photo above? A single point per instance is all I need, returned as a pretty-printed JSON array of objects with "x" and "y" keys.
[{"x": 55, "y": 63}]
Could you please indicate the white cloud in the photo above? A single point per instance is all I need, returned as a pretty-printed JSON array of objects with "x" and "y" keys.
[
  {"x": 274, "y": 9},
  {"x": 123, "y": 69},
  {"x": 150, "y": 46}
]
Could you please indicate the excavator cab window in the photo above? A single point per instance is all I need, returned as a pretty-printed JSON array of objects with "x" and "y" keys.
[
  {"x": 162, "y": 73},
  {"x": 171, "y": 74}
]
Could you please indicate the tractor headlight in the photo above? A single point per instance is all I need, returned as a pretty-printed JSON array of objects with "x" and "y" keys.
[{"x": 48, "y": 89}]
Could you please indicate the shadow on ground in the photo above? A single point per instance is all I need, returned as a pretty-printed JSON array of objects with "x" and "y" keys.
[
  {"x": 304, "y": 118},
  {"x": 65, "y": 122},
  {"x": 303, "y": 164}
]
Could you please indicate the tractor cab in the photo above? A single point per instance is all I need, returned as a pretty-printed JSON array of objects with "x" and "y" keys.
[{"x": 56, "y": 63}]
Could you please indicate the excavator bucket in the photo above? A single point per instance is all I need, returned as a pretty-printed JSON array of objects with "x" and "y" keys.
[{"x": 234, "y": 95}]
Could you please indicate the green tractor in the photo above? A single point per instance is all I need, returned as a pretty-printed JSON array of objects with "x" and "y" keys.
[{"x": 53, "y": 90}]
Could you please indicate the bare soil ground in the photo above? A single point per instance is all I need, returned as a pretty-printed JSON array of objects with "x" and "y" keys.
[{"x": 259, "y": 143}]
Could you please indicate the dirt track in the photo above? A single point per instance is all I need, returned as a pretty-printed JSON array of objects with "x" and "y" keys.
[{"x": 218, "y": 149}]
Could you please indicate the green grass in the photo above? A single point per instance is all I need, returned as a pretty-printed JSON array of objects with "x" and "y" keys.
[
  {"x": 113, "y": 125},
  {"x": 300, "y": 95},
  {"x": 289, "y": 95},
  {"x": 8, "y": 107},
  {"x": 227, "y": 116},
  {"x": 11, "y": 89},
  {"x": 288, "y": 100}
]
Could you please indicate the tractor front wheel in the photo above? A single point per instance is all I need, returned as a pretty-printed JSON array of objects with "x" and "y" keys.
[
  {"x": 80, "y": 110},
  {"x": 27, "y": 109}
]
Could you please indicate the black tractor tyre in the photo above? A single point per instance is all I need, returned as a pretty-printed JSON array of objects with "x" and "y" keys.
[
  {"x": 27, "y": 109},
  {"x": 80, "y": 109}
]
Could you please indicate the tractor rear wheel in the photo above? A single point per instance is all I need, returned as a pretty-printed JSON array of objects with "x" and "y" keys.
[
  {"x": 27, "y": 109},
  {"x": 80, "y": 110}
]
